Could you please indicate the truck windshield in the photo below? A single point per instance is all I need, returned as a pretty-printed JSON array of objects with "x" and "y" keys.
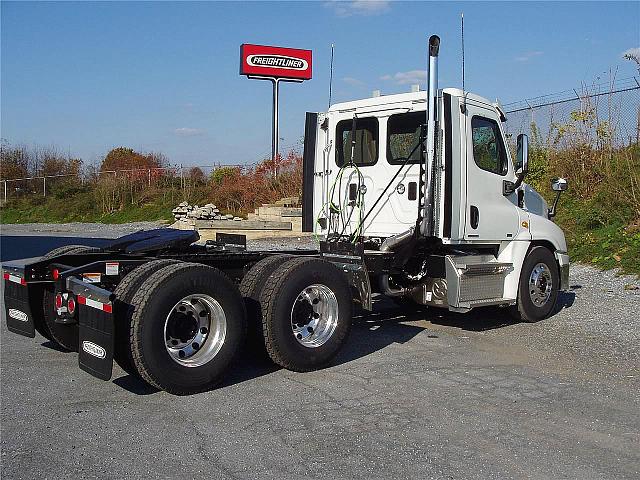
[
  {"x": 403, "y": 134},
  {"x": 365, "y": 151}
]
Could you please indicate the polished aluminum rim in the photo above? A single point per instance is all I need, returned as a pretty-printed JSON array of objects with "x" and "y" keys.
[
  {"x": 195, "y": 330},
  {"x": 540, "y": 284},
  {"x": 314, "y": 316}
]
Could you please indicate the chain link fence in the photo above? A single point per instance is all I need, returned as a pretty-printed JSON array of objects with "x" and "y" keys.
[
  {"x": 601, "y": 114},
  {"x": 181, "y": 177}
]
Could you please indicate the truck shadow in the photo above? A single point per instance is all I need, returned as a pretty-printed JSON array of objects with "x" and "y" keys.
[{"x": 14, "y": 247}]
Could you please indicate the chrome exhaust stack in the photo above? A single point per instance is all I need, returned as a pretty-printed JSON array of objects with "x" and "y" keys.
[{"x": 426, "y": 227}]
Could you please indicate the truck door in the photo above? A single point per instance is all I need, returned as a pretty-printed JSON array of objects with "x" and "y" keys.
[
  {"x": 489, "y": 214},
  {"x": 402, "y": 137},
  {"x": 354, "y": 179}
]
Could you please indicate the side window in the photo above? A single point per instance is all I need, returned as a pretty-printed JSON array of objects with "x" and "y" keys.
[
  {"x": 403, "y": 134},
  {"x": 488, "y": 149},
  {"x": 365, "y": 151}
]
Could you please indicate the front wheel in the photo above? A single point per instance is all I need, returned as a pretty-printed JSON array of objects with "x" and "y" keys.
[{"x": 538, "y": 288}]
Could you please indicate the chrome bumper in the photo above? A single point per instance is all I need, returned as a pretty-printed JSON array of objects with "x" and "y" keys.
[{"x": 563, "y": 264}]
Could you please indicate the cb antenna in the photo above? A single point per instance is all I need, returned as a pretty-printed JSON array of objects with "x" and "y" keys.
[
  {"x": 331, "y": 75},
  {"x": 462, "y": 37}
]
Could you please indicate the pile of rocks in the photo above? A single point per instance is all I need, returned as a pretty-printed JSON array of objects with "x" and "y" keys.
[{"x": 185, "y": 212}]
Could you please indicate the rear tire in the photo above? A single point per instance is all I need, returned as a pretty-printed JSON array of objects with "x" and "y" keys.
[
  {"x": 538, "y": 287},
  {"x": 124, "y": 308},
  {"x": 250, "y": 288},
  {"x": 171, "y": 306},
  {"x": 39, "y": 322},
  {"x": 64, "y": 335},
  {"x": 65, "y": 249},
  {"x": 306, "y": 313}
]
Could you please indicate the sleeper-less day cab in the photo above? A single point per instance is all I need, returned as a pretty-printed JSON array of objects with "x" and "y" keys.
[{"x": 414, "y": 196}]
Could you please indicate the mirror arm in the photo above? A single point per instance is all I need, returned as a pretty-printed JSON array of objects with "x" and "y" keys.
[
  {"x": 519, "y": 180},
  {"x": 552, "y": 211}
]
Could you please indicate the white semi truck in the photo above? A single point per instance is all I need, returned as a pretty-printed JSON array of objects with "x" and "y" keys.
[{"x": 414, "y": 196}]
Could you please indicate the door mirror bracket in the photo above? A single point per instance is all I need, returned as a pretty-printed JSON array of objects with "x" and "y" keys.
[
  {"x": 558, "y": 185},
  {"x": 522, "y": 159}
]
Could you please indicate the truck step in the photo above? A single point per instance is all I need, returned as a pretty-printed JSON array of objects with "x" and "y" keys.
[{"x": 474, "y": 280}]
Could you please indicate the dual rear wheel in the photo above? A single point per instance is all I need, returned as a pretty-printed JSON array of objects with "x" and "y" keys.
[{"x": 186, "y": 322}]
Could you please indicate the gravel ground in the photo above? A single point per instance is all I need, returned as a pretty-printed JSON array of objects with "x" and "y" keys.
[
  {"x": 97, "y": 229},
  {"x": 416, "y": 393}
]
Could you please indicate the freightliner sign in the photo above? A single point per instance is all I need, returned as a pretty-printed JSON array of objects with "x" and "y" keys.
[{"x": 275, "y": 62}]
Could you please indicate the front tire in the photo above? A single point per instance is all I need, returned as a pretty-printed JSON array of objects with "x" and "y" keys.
[
  {"x": 188, "y": 326},
  {"x": 306, "y": 313},
  {"x": 538, "y": 287}
]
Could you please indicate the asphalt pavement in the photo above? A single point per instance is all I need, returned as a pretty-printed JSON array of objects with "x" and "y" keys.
[{"x": 415, "y": 393}]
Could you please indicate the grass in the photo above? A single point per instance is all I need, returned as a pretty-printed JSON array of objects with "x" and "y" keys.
[
  {"x": 614, "y": 243},
  {"x": 81, "y": 207}
]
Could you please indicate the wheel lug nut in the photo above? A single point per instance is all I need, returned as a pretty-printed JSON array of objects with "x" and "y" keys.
[
  {"x": 181, "y": 354},
  {"x": 195, "y": 346},
  {"x": 299, "y": 336},
  {"x": 309, "y": 329},
  {"x": 203, "y": 330}
]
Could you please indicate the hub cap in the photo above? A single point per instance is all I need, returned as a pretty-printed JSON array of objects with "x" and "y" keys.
[
  {"x": 314, "y": 316},
  {"x": 540, "y": 284},
  {"x": 195, "y": 330}
]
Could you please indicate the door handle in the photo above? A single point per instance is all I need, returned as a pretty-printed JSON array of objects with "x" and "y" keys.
[
  {"x": 413, "y": 191},
  {"x": 353, "y": 191},
  {"x": 508, "y": 187},
  {"x": 475, "y": 217}
]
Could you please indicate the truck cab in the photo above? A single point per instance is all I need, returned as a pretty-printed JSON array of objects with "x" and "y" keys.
[{"x": 448, "y": 194}]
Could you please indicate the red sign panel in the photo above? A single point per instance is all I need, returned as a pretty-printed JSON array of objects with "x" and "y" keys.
[{"x": 277, "y": 62}]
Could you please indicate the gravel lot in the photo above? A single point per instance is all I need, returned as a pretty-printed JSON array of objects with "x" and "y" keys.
[{"x": 414, "y": 394}]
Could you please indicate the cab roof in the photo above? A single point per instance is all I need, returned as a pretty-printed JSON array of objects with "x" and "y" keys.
[{"x": 400, "y": 98}]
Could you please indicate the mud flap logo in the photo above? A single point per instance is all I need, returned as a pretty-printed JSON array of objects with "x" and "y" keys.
[
  {"x": 18, "y": 315},
  {"x": 93, "y": 349}
]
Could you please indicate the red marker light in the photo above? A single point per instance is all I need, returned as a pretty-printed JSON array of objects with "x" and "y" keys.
[
  {"x": 71, "y": 305},
  {"x": 58, "y": 301},
  {"x": 55, "y": 274}
]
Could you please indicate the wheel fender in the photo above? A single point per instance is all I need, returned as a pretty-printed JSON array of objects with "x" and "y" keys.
[
  {"x": 513, "y": 252},
  {"x": 544, "y": 230}
]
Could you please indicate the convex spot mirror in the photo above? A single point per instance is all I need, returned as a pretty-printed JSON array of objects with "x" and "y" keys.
[
  {"x": 559, "y": 184},
  {"x": 522, "y": 154}
]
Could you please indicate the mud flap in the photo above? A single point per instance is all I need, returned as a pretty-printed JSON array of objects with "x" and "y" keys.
[
  {"x": 95, "y": 346},
  {"x": 17, "y": 309}
]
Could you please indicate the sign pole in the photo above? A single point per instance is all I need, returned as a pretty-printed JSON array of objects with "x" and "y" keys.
[
  {"x": 274, "y": 129},
  {"x": 276, "y": 64}
]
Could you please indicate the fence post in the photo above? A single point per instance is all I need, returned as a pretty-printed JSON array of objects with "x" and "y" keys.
[
  {"x": 5, "y": 191},
  {"x": 149, "y": 173},
  {"x": 637, "y": 129},
  {"x": 44, "y": 186}
]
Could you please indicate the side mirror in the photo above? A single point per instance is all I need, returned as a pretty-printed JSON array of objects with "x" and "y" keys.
[
  {"x": 522, "y": 155},
  {"x": 559, "y": 184}
]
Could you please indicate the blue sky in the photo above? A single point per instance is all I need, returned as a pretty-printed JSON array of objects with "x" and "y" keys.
[{"x": 163, "y": 76}]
